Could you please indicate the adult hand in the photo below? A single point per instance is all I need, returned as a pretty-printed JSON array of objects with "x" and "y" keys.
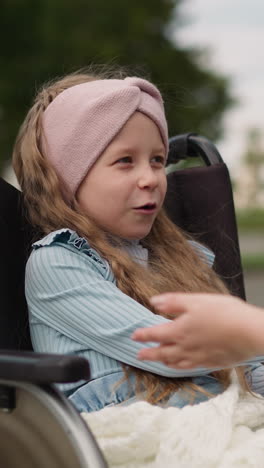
[{"x": 209, "y": 330}]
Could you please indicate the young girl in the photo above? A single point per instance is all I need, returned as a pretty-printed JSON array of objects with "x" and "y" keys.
[{"x": 90, "y": 158}]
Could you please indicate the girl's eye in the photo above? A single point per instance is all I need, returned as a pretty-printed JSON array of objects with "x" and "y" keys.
[
  {"x": 125, "y": 160},
  {"x": 159, "y": 160}
]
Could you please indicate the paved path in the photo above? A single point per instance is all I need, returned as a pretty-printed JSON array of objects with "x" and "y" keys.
[
  {"x": 254, "y": 283},
  {"x": 252, "y": 243}
]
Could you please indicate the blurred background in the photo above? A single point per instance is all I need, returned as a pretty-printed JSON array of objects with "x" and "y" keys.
[{"x": 205, "y": 56}]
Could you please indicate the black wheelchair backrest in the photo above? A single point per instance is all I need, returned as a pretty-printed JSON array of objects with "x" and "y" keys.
[{"x": 200, "y": 201}]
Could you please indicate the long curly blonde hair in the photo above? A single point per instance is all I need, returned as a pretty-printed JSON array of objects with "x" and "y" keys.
[{"x": 173, "y": 263}]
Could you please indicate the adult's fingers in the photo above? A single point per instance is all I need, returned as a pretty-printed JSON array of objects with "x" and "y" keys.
[
  {"x": 176, "y": 357},
  {"x": 182, "y": 364},
  {"x": 165, "y": 333},
  {"x": 170, "y": 355},
  {"x": 173, "y": 303},
  {"x": 164, "y": 353}
]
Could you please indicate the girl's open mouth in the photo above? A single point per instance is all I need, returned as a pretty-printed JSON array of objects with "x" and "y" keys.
[{"x": 148, "y": 208}]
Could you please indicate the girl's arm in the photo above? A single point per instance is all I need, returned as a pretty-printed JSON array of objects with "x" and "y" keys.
[
  {"x": 209, "y": 330},
  {"x": 67, "y": 292}
]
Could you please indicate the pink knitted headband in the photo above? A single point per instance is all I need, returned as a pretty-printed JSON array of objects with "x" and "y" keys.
[{"x": 81, "y": 121}]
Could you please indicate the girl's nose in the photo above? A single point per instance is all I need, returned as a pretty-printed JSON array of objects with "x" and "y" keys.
[{"x": 148, "y": 178}]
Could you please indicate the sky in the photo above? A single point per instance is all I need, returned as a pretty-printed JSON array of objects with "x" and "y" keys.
[{"x": 233, "y": 32}]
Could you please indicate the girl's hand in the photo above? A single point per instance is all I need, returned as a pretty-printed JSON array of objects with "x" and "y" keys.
[{"x": 210, "y": 330}]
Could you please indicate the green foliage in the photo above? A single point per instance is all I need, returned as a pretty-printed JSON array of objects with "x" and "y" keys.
[
  {"x": 185, "y": 164},
  {"x": 253, "y": 262},
  {"x": 251, "y": 220},
  {"x": 45, "y": 38}
]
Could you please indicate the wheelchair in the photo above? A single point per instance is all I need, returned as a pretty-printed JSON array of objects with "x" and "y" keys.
[{"x": 39, "y": 427}]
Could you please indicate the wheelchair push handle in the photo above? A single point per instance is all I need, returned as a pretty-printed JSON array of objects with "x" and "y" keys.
[
  {"x": 43, "y": 368},
  {"x": 190, "y": 145}
]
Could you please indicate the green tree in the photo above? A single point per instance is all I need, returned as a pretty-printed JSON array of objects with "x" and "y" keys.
[{"x": 44, "y": 38}]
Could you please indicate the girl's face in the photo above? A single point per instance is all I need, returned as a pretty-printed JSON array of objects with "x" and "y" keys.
[{"x": 125, "y": 189}]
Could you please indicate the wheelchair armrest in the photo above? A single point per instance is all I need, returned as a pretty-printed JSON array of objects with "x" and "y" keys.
[{"x": 43, "y": 368}]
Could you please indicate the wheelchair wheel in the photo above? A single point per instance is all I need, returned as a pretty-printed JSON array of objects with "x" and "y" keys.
[{"x": 44, "y": 430}]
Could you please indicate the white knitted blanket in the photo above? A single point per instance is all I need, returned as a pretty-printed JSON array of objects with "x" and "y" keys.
[{"x": 224, "y": 432}]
